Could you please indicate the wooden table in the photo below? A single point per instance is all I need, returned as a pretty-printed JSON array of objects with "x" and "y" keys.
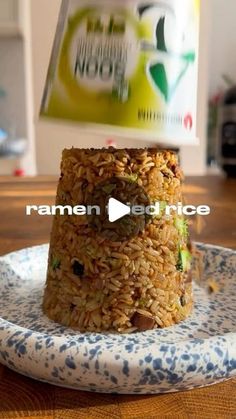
[{"x": 26, "y": 398}]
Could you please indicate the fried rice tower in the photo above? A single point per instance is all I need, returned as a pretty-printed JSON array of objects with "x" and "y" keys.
[{"x": 98, "y": 282}]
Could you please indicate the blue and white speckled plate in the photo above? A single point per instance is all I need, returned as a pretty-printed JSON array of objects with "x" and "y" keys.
[{"x": 198, "y": 352}]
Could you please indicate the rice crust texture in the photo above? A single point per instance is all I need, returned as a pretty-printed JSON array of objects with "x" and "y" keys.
[{"x": 95, "y": 284}]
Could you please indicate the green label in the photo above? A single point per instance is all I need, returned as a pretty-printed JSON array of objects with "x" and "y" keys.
[{"x": 127, "y": 65}]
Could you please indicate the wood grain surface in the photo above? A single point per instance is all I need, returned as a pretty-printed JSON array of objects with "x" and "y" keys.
[{"x": 21, "y": 397}]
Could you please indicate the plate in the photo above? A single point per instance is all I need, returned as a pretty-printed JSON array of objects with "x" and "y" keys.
[{"x": 198, "y": 352}]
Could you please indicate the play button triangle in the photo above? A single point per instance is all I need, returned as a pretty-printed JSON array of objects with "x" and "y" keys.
[{"x": 117, "y": 210}]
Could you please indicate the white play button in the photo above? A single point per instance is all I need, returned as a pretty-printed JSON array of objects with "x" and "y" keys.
[{"x": 117, "y": 210}]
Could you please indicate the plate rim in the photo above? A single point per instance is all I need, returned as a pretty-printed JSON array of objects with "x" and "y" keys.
[
  {"x": 69, "y": 338},
  {"x": 196, "y": 345}
]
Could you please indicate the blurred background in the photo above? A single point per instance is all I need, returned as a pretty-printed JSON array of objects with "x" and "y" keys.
[{"x": 29, "y": 146}]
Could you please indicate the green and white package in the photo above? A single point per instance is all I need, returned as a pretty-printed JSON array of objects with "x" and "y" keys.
[{"x": 128, "y": 67}]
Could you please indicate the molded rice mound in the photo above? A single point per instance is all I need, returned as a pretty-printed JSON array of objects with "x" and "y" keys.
[{"x": 95, "y": 284}]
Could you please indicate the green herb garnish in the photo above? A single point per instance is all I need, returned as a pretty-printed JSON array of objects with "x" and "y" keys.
[
  {"x": 184, "y": 260},
  {"x": 132, "y": 178},
  {"x": 108, "y": 189},
  {"x": 182, "y": 226},
  {"x": 56, "y": 263},
  {"x": 143, "y": 302},
  {"x": 162, "y": 207}
]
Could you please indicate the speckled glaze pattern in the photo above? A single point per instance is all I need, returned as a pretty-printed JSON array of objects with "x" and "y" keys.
[{"x": 198, "y": 352}]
